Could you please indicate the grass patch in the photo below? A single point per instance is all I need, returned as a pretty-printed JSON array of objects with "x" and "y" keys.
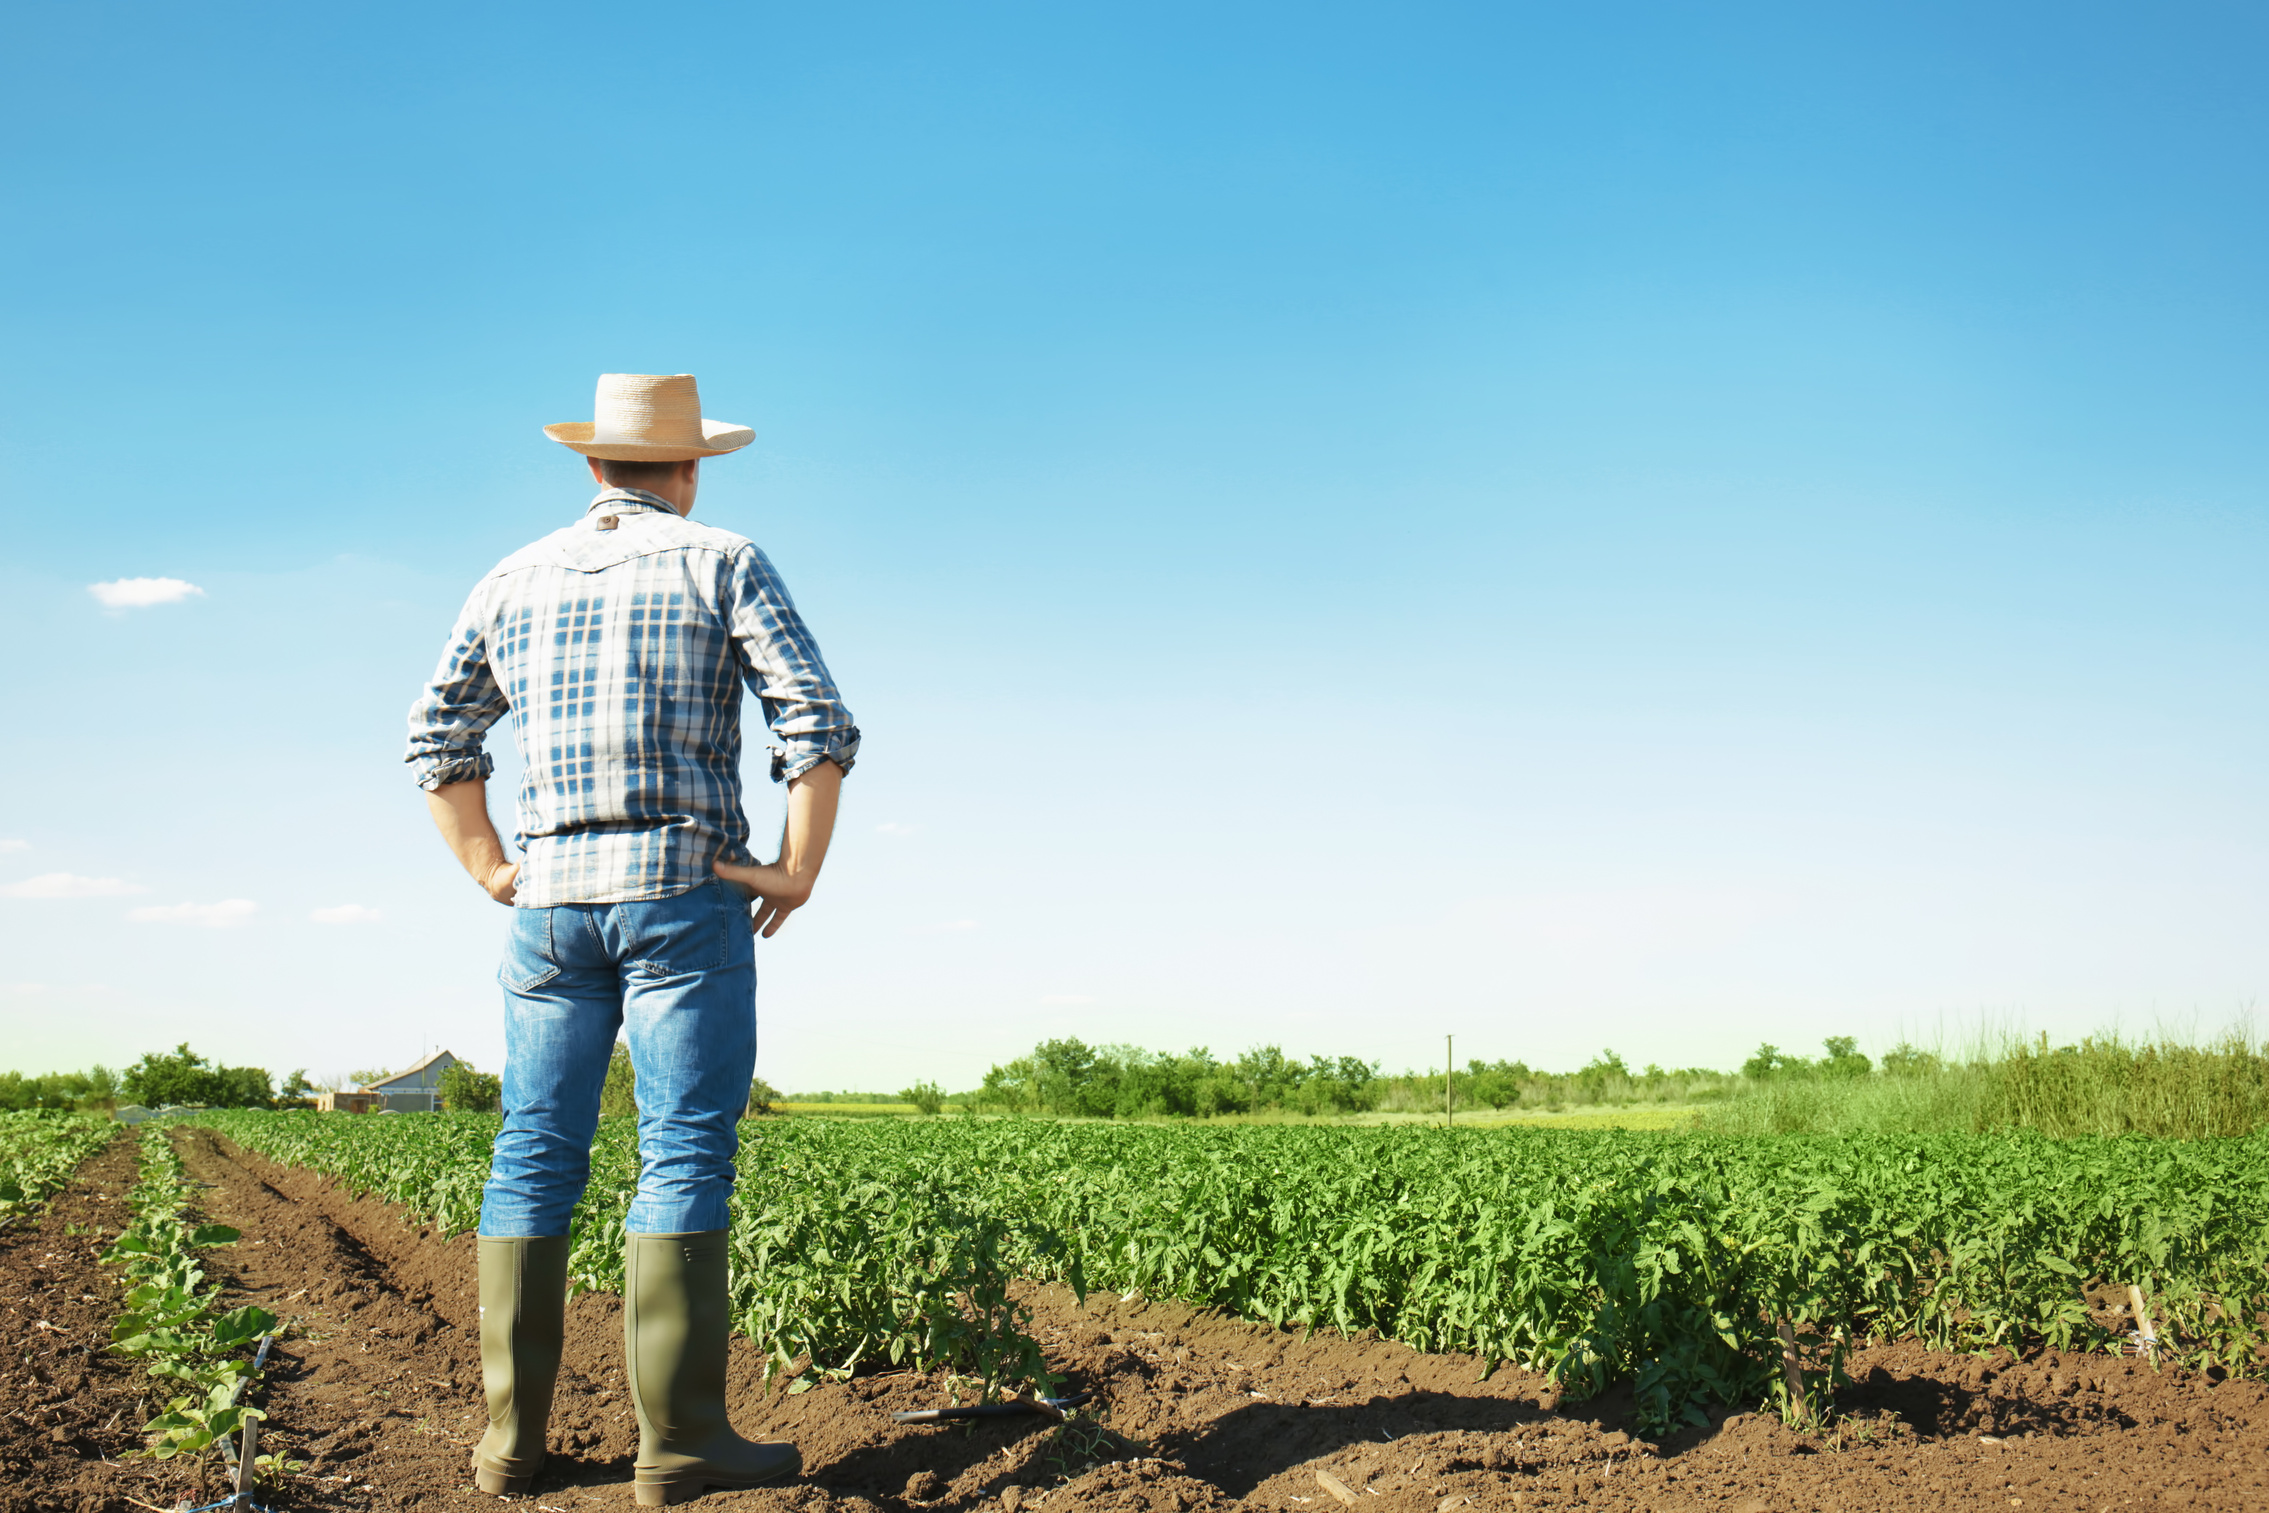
[{"x": 2104, "y": 1085}]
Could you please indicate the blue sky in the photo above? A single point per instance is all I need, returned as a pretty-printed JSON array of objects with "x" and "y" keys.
[{"x": 1653, "y": 525}]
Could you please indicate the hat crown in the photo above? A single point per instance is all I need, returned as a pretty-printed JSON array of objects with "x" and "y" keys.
[
  {"x": 652, "y": 409},
  {"x": 648, "y": 417}
]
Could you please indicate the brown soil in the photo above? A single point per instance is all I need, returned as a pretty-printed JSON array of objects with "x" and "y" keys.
[
  {"x": 380, "y": 1394},
  {"x": 68, "y": 1407}
]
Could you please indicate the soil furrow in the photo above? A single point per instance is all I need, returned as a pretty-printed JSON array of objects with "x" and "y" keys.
[{"x": 69, "y": 1409}]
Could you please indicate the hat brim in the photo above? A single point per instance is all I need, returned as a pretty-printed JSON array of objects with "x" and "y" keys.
[{"x": 717, "y": 437}]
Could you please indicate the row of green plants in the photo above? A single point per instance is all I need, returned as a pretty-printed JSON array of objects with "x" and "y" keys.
[
  {"x": 1673, "y": 1261},
  {"x": 173, "y": 1321},
  {"x": 829, "y": 1271},
  {"x": 39, "y": 1149}
]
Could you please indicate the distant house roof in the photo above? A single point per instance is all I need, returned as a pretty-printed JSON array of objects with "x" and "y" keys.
[{"x": 440, "y": 1059}]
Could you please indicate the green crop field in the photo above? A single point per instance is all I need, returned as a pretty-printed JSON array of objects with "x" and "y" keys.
[
  {"x": 1673, "y": 1259},
  {"x": 39, "y": 1149}
]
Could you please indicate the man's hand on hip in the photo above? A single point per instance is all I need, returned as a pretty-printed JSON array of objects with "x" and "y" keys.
[
  {"x": 460, "y": 812},
  {"x": 775, "y": 894},
  {"x": 781, "y": 887}
]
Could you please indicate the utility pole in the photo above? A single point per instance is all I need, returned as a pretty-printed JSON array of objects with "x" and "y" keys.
[{"x": 1449, "y": 1079}]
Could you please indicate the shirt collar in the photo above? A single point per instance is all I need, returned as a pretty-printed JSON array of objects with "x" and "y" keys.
[{"x": 620, "y": 500}]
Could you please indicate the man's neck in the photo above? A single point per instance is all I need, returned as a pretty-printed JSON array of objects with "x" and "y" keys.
[
  {"x": 676, "y": 488},
  {"x": 648, "y": 496}
]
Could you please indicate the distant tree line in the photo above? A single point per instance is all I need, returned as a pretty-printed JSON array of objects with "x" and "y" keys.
[
  {"x": 184, "y": 1077},
  {"x": 1066, "y": 1077},
  {"x": 179, "y": 1077},
  {"x": 96, "y": 1087},
  {"x": 1069, "y": 1076},
  {"x": 1843, "y": 1060},
  {"x": 1605, "y": 1079}
]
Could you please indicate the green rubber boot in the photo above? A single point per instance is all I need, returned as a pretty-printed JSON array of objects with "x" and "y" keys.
[
  {"x": 523, "y": 1322},
  {"x": 674, "y": 1327}
]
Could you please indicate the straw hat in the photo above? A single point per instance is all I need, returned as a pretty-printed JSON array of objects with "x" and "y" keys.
[{"x": 648, "y": 417}]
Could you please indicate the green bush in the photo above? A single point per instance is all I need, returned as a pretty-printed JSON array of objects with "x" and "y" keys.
[
  {"x": 188, "y": 1078},
  {"x": 466, "y": 1090},
  {"x": 94, "y": 1088},
  {"x": 1069, "y": 1077}
]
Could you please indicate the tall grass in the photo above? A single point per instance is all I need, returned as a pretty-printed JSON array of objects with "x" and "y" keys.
[
  {"x": 1549, "y": 1092},
  {"x": 2104, "y": 1085}
]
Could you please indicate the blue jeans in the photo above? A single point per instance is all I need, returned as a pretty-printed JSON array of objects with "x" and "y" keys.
[{"x": 679, "y": 975}]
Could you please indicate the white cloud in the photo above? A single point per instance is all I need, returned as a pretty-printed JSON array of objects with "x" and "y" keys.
[
  {"x": 947, "y": 927},
  {"x": 346, "y": 914},
  {"x": 14, "y": 845},
  {"x": 1067, "y": 1000},
  {"x": 140, "y": 593},
  {"x": 892, "y": 827},
  {"x": 70, "y": 885},
  {"x": 227, "y": 914}
]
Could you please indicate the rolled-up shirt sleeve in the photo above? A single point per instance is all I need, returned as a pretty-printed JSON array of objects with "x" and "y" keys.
[
  {"x": 781, "y": 664},
  {"x": 450, "y": 720}
]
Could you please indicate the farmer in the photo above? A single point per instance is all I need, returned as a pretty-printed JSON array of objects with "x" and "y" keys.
[{"x": 619, "y": 646}]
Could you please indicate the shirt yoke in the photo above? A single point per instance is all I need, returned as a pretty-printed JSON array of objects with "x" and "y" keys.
[{"x": 643, "y": 533}]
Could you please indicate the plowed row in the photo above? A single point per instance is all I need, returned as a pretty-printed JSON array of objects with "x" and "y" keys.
[{"x": 378, "y": 1391}]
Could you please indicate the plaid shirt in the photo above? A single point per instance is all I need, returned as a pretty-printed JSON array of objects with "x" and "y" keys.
[{"x": 619, "y": 645}]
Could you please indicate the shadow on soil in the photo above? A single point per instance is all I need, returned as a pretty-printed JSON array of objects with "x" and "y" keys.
[
  {"x": 1236, "y": 1452},
  {"x": 1936, "y": 1409},
  {"x": 1247, "y": 1446}
]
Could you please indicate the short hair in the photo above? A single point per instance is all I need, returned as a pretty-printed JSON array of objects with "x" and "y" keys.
[{"x": 638, "y": 475}]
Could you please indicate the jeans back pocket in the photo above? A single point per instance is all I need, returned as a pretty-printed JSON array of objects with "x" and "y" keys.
[
  {"x": 688, "y": 932},
  {"x": 528, "y": 960}
]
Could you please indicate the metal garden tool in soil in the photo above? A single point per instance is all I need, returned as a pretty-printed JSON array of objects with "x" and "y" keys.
[
  {"x": 1046, "y": 1407},
  {"x": 247, "y": 1459}
]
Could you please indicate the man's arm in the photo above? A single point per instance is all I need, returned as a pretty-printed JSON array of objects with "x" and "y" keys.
[
  {"x": 818, "y": 743},
  {"x": 460, "y": 813},
  {"x": 782, "y": 887},
  {"x": 447, "y": 726},
  {"x": 781, "y": 664}
]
